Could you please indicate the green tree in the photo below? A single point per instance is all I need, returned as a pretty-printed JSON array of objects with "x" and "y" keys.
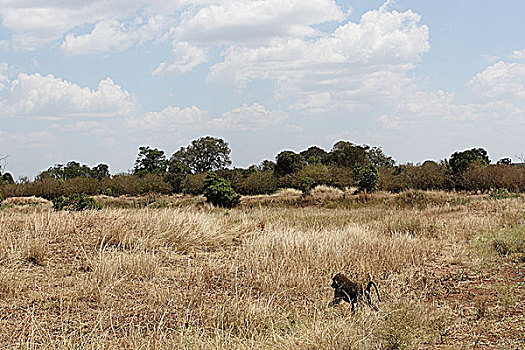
[
  {"x": 177, "y": 171},
  {"x": 150, "y": 161},
  {"x": 504, "y": 161},
  {"x": 367, "y": 178},
  {"x": 314, "y": 155},
  {"x": 379, "y": 159},
  {"x": 202, "y": 155},
  {"x": 288, "y": 162},
  {"x": 100, "y": 172},
  {"x": 346, "y": 154},
  {"x": 65, "y": 172},
  {"x": 6, "y": 178},
  {"x": 218, "y": 191},
  {"x": 461, "y": 161}
]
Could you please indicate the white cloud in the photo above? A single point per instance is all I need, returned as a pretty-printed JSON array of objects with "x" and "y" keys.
[
  {"x": 358, "y": 62},
  {"x": 35, "y": 23},
  {"x": 48, "y": 96},
  {"x": 249, "y": 118},
  {"x": 518, "y": 54},
  {"x": 500, "y": 80},
  {"x": 247, "y": 21},
  {"x": 169, "y": 118},
  {"x": 113, "y": 34},
  {"x": 4, "y": 79},
  {"x": 184, "y": 57}
]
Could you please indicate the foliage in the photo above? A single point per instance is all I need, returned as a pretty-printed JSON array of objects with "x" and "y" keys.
[
  {"x": 100, "y": 172},
  {"x": 261, "y": 182},
  {"x": 306, "y": 185},
  {"x": 7, "y": 179},
  {"x": 314, "y": 155},
  {"x": 73, "y": 170},
  {"x": 502, "y": 193},
  {"x": 461, "y": 161},
  {"x": 202, "y": 155},
  {"x": 288, "y": 162},
  {"x": 367, "y": 178},
  {"x": 504, "y": 161},
  {"x": 77, "y": 202},
  {"x": 150, "y": 161},
  {"x": 346, "y": 154},
  {"x": 218, "y": 191},
  {"x": 193, "y": 184},
  {"x": 378, "y": 158}
]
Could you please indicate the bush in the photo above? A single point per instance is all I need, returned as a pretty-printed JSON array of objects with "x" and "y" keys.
[
  {"x": 218, "y": 191},
  {"x": 367, "y": 178},
  {"x": 193, "y": 184},
  {"x": 502, "y": 193},
  {"x": 261, "y": 182},
  {"x": 76, "y": 202}
]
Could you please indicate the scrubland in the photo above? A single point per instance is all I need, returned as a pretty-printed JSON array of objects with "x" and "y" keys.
[{"x": 175, "y": 273}]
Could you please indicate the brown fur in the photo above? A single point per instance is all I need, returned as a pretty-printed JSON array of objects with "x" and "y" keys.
[{"x": 351, "y": 292}]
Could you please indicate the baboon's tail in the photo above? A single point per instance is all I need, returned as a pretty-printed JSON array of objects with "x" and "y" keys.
[{"x": 370, "y": 284}]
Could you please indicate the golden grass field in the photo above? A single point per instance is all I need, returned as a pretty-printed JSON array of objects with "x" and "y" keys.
[{"x": 176, "y": 273}]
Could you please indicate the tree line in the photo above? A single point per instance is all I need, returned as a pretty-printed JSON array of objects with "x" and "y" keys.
[{"x": 345, "y": 165}]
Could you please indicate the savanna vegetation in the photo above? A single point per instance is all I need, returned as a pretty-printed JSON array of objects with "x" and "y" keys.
[
  {"x": 176, "y": 272},
  {"x": 185, "y": 253},
  {"x": 345, "y": 165}
]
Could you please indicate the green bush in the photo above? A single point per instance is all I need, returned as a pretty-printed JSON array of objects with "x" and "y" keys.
[
  {"x": 260, "y": 182},
  {"x": 193, "y": 184},
  {"x": 367, "y": 178},
  {"x": 76, "y": 202},
  {"x": 306, "y": 185},
  {"x": 502, "y": 193},
  {"x": 218, "y": 191}
]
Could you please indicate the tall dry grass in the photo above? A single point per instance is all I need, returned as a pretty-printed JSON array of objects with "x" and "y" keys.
[{"x": 252, "y": 277}]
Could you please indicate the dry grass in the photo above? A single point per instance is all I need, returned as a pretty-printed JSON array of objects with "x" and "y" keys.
[{"x": 257, "y": 277}]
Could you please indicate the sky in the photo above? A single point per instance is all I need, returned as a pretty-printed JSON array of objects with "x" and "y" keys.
[{"x": 92, "y": 81}]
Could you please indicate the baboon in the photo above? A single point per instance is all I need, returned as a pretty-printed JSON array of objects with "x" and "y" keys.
[{"x": 350, "y": 291}]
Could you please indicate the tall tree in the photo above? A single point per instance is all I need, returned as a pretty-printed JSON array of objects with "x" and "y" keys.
[
  {"x": 202, "y": 155},
  {"x": 461, "y": 161},
  {"x": 100, "y": 171},
  {"x": 288, "y": 162},
  {"x": 314, "y": 155},
  {"x": 150, "y": 161},
  {"x": 346, "y": 154}
]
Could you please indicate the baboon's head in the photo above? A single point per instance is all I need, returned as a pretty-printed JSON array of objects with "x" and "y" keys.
[{"x": 336, "y": 281}]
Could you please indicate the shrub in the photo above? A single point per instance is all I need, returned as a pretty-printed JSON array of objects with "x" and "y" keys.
[
  {"x": 261, "y": 182},
  {"x": 367, "y": 178},
  {"x": 218, "y": 191},
  {"x": 306, "y": 185},
  {"x": 193, "y": 184},
  {"x": 76, "y": 202},
  {"x": 502, "y": 193}
]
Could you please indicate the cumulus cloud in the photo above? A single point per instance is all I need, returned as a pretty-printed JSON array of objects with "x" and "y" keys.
[
  {"x": 48, "y": 96},
  {"x": 500, "y": 80},
  {"x": 244, "y": 21},
  {"x": 184, "y": 57},
  {"x": 35, "y": 23},
  {"x": 169, "y": 118},
  {"x": 369, "y": 58},
  {"x": 249, "y": 118},
  {"x": 113, "y": 34}
]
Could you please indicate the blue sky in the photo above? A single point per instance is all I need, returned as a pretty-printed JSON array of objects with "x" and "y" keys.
[{"x": 92, "y": 81}]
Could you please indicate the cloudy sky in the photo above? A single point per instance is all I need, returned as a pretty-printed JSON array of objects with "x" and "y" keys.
[{"x": 93, "y": 80}]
